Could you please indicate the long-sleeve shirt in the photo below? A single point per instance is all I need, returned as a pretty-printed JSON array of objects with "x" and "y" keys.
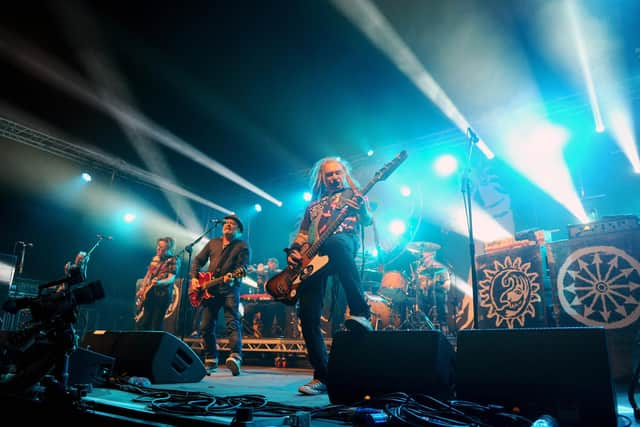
[{"x": 221, "y": 261}]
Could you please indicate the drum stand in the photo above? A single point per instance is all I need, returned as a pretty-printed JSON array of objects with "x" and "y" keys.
[{"x": 416, "y": 318}]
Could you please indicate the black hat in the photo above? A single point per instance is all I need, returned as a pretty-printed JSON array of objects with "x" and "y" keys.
[{"x": 236, "y": 220}]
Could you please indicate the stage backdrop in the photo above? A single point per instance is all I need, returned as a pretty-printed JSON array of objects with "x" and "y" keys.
[
  {"x": 510, "y": 293},
  {"x": 596, "y": 282}
]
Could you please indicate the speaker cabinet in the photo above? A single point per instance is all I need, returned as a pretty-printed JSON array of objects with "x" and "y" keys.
[
  {"x": 89, "y": 367},
  {"x": 376, "y": 363},
  {"x": 563, "y": 372},
  {"x": 157, "y": 355}
]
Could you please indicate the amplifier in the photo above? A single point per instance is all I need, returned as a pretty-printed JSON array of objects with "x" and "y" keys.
[{"x": 607, "y": 224}]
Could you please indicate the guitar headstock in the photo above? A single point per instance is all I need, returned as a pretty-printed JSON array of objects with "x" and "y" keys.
[{"x": 391, "y": 166}]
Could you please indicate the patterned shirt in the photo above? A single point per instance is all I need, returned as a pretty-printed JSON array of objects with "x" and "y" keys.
[
  {"x": 161, "y": 268},
  {"x": 319, "y": 216}
]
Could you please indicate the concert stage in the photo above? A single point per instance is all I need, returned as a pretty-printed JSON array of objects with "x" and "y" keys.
[
  {"x": 273, "y": 388},
  {"x": 270, "y": 394}
]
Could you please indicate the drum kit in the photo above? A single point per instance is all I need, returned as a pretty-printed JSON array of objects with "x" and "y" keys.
[{"x": 401, "y": 300}]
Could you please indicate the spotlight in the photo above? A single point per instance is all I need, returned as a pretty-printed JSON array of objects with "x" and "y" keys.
[
  {"x": 397, "y": 227},
  {"x": 370, "y": 153},
  {"x": 405, "y": 191},
  {"x": 129, "y": 217},
  {"x": 600, "y": 128},
  {"x": 306, "y": 196},
  {"x": 86, "y": 177},
  {"x": 258, "y": 207},
  {"x": 446, "y": 165}
]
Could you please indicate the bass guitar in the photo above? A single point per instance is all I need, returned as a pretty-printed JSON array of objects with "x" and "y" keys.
[
  {"x": 207, "y": 282},
  {"x": 283, "y": 287}
]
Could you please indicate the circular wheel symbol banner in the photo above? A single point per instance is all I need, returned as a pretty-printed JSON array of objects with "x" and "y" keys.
[{"x": 600, "y": 286}]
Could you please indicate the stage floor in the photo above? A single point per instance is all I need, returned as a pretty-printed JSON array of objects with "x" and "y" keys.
[{"x": 278, "y": 386}]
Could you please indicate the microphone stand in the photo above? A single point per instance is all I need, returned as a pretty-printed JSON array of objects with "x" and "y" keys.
[
  {"x": 22, "y": 253},
  {"x": 183, "y": 298},
  {"x": 466, "y": 192}
]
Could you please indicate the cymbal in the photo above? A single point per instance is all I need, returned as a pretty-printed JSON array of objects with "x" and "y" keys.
[{"x": 421, "y": 247}]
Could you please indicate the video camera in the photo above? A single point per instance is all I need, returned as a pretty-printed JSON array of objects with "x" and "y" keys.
[
  {"x": 61, "y": 303},
  {"x": 44, "y": 345}
]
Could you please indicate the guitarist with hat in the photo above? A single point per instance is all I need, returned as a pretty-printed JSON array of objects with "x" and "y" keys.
[
  {"x": 218, "y": 288},
  {"x": 332, "y": 189}
]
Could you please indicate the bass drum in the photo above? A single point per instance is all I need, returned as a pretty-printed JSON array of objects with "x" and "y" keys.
[
  {"x": 394, "y": 287},
  {"x": 394, "y": 280},
  {"x": 381, "y": 313}
]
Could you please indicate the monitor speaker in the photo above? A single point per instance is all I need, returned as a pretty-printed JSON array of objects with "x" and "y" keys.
[
  {"x": 157, "y": 355},
  {"x": 376, "y": 363},
  {"x": 562, "y": 372},
  {"x": 89, "y": 367}
]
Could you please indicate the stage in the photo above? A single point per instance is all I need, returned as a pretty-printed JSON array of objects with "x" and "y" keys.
[
  {"x": 402, "y": 370},
  {"x": 273, "y": 389}
]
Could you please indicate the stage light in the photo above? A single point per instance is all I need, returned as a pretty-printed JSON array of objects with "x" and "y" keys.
[
  {"x": 445, "y": 165},
  {"x": 129, "y": 217},
  {"x": 306, "y": 196},
  {"x": 258, "y": 207},
  {"x": 86, "y": 177},
  {"x": 600, "y": 128},
  {"x": 370, "y": 153},
  {"x": 397, "y": 227},
  {"x": 405, "y": 191}
]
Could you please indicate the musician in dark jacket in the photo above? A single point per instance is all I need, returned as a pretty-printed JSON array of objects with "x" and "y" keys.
[
  {"x": 333, "y": 188},
  {"x": 225, "y": 255}
]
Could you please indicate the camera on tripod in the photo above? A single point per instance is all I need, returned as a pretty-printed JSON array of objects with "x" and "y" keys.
[{"x": 47, "y": 340}]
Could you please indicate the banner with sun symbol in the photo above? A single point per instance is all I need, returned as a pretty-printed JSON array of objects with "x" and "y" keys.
[
  {"x": 596, "y": 280},
  {"x": 510, "y": 290}
]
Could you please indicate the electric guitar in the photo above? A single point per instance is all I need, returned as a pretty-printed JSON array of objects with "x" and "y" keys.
[
  {"x": 283, "y": 287},
  {"x": 208, "y": 282}
]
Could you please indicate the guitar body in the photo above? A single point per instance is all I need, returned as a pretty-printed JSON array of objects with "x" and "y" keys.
[
  {"x": 197, "y": 295},
  {"x": 283, "y": 286},
  {"x": 141, "y": 294},
  {"x": 207, "y": 281}
]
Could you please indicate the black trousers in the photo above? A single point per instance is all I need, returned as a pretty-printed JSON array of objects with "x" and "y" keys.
[{"x": 341, "y": 250}]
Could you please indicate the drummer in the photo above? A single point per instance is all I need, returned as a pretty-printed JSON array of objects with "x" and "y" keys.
[{"x": 434, "y": 280}]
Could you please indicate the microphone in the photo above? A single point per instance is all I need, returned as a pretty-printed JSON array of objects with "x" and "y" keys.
[
  {"x": 473, "y": 137},
  {"x": 103, "y": 237},
  {"x": 27, "y": 244}
]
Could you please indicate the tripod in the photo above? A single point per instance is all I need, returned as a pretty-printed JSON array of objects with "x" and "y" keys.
[{"x": 415, "y": 317}]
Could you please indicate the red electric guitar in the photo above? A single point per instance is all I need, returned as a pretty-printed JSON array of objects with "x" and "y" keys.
[{"x": 207, "y": 282}]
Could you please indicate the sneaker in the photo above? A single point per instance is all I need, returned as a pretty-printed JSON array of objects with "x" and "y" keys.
[
  {"x": 211, "y": 365},
  {"x": 234, "y": 365},
  {"x": 313, "y": 387},
  {"x": 358, "y": 324}
]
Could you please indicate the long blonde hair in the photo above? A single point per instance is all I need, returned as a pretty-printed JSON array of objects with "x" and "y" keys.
[{"x": 316, "y": 181}]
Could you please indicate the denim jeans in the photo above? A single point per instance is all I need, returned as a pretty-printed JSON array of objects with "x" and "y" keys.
[{"x": 229, "y": 301}]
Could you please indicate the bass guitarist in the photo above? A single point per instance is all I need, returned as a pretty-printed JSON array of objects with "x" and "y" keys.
[
  {"x": 226, "y": 256},
  {"x": 332, "y": 189},
  {"x": 154, "y": 295}
]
